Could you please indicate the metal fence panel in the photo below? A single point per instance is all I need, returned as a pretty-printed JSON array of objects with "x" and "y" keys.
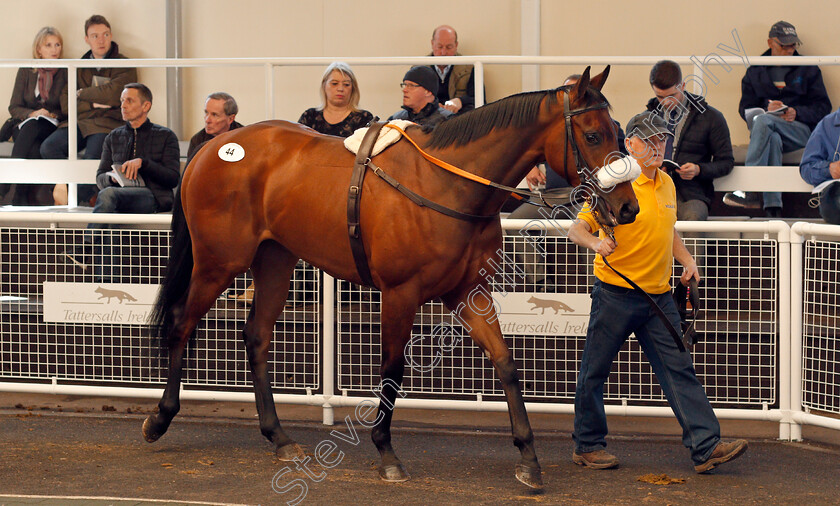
[
  {"x": 31, "y": 349},
  {"x": 820, "y": 320},
  {"x": 735, "y": 360}
]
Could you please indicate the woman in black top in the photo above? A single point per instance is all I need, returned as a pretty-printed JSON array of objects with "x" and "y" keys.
[{"x": 339, "y": 115}]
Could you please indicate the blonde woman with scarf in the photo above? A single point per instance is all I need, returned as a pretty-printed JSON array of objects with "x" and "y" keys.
[{"x": 36, "y": 104}]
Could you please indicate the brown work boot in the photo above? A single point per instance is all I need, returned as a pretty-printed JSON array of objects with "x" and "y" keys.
[
  {"x": 599, "y": 459},
  {"x": 724, "y": 452}
]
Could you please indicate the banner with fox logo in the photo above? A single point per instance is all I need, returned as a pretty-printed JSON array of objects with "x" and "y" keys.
[
  {"x": 117, "y": 304},
  {"x": 543, "y": 314}
]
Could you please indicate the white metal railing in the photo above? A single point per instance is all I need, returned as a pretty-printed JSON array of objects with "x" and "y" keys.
[
  {"x": 326, "y": 347},
  {"x": 7, "y": 171},
  {"x": 815, "y": 343}
]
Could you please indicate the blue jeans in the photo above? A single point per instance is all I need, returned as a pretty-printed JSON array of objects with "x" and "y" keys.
[
  {"x": 769, "y": 138},
  {"x": 616, "y": 313},
  {"x": 114, "y": 199}
]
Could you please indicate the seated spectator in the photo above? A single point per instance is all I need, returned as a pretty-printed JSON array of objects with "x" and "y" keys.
[
  {"x": 36, "y": 106},
  {"x": 98, "y": 97},
  {"x": 700, "y": 145},
  {"x": 339, "y": 113},
  {"x": 142, "y": 152},
  {"x": 456, "y": 86},
  {"x": 821, "y": 163},
  {"x": 797, "y": 92},
  {"x": 220, "y": 111},
  {"x": 420, "y": 104}
]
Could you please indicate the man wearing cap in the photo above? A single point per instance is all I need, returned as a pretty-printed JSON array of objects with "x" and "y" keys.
[
  {"x": 800, "y": 88},
  {"x": 644, "y": 252},
  {"x": 420, "y": 104}
]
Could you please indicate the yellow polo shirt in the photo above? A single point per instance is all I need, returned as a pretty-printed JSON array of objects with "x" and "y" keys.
[{"x": 645, "y": 247}]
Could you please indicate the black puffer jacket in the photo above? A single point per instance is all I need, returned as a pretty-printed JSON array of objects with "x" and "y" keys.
[
  {"x": 430, "y": 115},
  {"x": 705, "y": 141},
  {"x": 157, "y": 146},
  {"x": 804, "y": 91}
]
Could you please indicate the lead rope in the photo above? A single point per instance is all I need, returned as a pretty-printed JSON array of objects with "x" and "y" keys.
[{"x": 656, "y": 309}]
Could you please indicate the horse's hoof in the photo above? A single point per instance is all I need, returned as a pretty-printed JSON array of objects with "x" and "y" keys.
[
  {"x": 530, "y": 476},
  {"x": 394, "y": 473},
  {"x": 289, "y": 452},
  {"x": 149, "y": 434}
]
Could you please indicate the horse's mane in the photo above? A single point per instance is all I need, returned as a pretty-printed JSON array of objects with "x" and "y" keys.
[{"x": 515, "y": 111}]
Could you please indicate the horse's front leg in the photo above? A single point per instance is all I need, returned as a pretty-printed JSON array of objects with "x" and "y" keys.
[
  {"x": 475, "y": 311},
  {"x": 272, "y": 269},
  {"x": 397, "y": 318}
]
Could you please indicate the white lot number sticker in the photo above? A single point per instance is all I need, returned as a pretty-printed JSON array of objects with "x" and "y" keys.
[{"x": 231, "y": 152}]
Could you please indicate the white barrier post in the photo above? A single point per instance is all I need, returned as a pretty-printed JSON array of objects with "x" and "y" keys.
[
  {"x": 328, "y": 339},
  {"x": 72, "y": 131},
  {"x": 794, "y": 363}
]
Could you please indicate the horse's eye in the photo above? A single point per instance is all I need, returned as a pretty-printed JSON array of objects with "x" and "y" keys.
[{"x": 592, "y": 138}]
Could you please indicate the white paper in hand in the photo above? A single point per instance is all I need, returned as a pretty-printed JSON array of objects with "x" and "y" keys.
[{"x": 123, "y": 181}]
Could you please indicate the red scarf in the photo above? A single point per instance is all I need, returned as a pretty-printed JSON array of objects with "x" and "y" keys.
[{"x": 45, "y": 80}]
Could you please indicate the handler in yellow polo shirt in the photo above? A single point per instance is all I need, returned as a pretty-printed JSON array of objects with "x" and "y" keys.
[{"x": 645, "y": 252}]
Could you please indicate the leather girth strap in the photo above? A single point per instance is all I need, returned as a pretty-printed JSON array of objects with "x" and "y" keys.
[{"x": 354, "y": 200}]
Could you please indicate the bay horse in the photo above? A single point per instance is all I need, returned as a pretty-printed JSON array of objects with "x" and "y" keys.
[{"x": 286, "y": 199}]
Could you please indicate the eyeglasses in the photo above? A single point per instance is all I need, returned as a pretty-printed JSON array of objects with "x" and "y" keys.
[{"x": 410, "y": 86}]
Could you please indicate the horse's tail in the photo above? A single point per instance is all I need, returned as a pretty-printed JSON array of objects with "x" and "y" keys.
[{"x": 176, "y": 281}]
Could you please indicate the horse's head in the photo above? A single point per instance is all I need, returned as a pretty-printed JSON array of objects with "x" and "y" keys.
[{"x": 584, "y": 142}]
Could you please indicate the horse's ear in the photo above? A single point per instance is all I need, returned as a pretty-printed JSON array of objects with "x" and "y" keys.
[
  {"x": 598, "y": 81},
  {"x": 582, "y": 84}
]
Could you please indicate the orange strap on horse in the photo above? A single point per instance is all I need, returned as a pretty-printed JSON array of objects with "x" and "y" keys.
[{"x": 451, "y": 168}]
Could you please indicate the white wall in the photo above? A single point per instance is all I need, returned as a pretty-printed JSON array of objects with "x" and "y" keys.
[
  {"x": 281, "y": 28},
  {"x": 340, "y": 30},
  {"x": 138, "y": 28}
]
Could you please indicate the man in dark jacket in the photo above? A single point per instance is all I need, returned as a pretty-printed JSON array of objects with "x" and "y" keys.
[
  {"x": 141, "y": 150},
  {"x": 420, "y": 104},
  {"x": 701, "y": 145},
  {"x": 220, "y": 111},
  {"x": 138, "y": 170},
  {"x": 98, "y": 98},
  {"x": 796, "y": 92}
]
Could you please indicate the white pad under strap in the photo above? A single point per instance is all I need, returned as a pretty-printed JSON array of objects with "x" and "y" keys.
[{"x": 387, "y": 136}]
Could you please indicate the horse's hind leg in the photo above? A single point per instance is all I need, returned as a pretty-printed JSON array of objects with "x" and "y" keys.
[
  {"x": 474, "y": 310},
  {"x": 272, "y": 268},
  {"x": 397, "y": 316},
  {"x": 205, "y": 286}
]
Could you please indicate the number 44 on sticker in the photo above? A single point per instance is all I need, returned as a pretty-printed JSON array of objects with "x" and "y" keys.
[{"x": 231, "y": 152}]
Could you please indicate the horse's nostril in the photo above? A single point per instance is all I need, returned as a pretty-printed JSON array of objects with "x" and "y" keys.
[{"x": 628, "y": 213}]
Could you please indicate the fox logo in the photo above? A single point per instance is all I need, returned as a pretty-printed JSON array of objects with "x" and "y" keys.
[
  {"x": 114, "y": 294},
  {"x": 544, "y": 304}
]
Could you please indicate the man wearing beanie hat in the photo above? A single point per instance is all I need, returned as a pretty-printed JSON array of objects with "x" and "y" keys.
[
  {"x": 800, "y": 88},
  {"x": 645, "y": 252},
  {"x": 420, "y": 104}
]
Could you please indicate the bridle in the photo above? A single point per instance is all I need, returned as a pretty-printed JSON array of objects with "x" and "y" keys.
[{"x": 580, "y": 165}]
